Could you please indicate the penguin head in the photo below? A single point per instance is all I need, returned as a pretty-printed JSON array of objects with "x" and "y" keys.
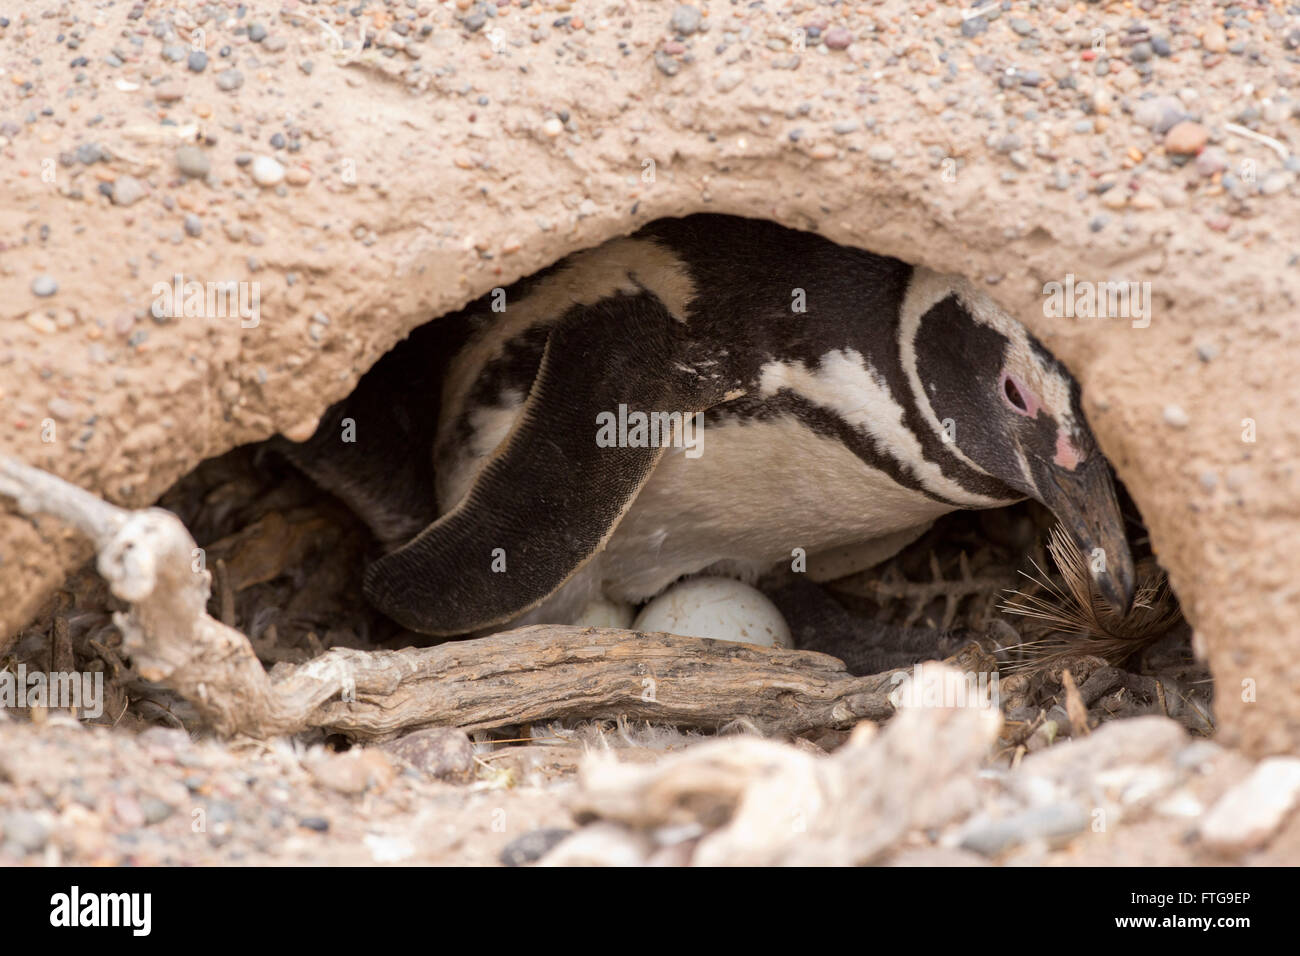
[{"x": 1003, "y": 403}]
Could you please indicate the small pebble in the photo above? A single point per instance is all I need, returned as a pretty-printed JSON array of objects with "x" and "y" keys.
[
  {"x": 267, "y": 171},
  {"x": 1175, "y": 416},
  {"x": 44, "y": 286},
  {"x": 1173, "y": 196},
  {"x": 881, "y": 153},
  {"x": 197, "y": 61},
  {"x": 62, "y": 409},
  {"x": 446, "y": 753},
  {"x": 685, "y": 19},
  {"x": 193, "y": 225},
  {"x": 837, "y": 38},
  {"x": 1275, "y": 182},
  {"x": 39, "y": 322},
  {"x": 127, "y": 190},
  {"x": 990, "y": 837},
  {"x": 230, "y": 80},
  {"x": 666, "y": 64},
  {"x": 728, "y": 80},
  {"x": 155, "y": 810},
  {"x": 1212, "y": 160},
  {"x": 256, "y": 32},
  {"x": 532, "y": 846},
  {"x": 1214, "y": 39},
  {"x": 1186, "y": 139},
  {"x": 1254, "y": 808},
  {"x": 193, "y": 162}
]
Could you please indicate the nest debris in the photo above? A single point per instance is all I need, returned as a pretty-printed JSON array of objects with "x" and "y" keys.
[{"x": 1075, "y": 620}]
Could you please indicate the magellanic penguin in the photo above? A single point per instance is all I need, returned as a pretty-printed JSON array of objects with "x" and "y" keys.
[{"x": 709, "y": 393}]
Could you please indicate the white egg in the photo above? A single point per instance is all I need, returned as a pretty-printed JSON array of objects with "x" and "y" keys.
[
  {"x": 602, "y": 612},
  {"x": 720, "y": 608}
]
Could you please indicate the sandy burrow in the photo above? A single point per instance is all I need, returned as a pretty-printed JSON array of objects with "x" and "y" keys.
[{"x": 452, "y": 198}]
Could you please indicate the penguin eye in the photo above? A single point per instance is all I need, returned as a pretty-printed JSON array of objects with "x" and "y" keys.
[{"x": 1017, "y": 396}]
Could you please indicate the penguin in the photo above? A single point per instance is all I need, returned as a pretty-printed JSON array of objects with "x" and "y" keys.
[{"x": 709, "y": 394}]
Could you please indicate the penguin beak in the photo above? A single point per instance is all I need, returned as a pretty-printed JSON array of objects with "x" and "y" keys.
[{"x": 1083, "y": 500}]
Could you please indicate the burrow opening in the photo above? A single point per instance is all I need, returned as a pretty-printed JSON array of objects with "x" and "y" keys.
[{"x": 288, "y": 558}]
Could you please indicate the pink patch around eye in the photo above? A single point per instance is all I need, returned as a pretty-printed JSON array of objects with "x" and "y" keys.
[
  {"x": 1067, "y": 456},
  {"x": 1018, "y": 396}
]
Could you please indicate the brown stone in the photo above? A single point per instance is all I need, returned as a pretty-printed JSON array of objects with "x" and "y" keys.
[
  {"x": 443, "y": 752},
  {"x": 1186, "y": 138}
]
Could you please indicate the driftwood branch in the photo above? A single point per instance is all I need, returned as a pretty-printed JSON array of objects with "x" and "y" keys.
[{"x": 538, "y": 673}]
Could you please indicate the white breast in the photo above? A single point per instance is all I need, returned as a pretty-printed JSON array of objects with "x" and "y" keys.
[{"x": 760, "y": 489}]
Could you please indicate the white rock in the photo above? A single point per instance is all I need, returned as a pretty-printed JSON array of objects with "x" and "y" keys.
[
  {"x": 266, "y": 171},
  {"x": 1248, "y": 814},
  {"x": 720, "y": 608},
  {"x": 728, "y": 80}
]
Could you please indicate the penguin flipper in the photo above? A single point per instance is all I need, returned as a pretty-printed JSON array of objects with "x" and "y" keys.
[
  {"x": 552, "y": 495},
  {"x": 361, "y": 449}
]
